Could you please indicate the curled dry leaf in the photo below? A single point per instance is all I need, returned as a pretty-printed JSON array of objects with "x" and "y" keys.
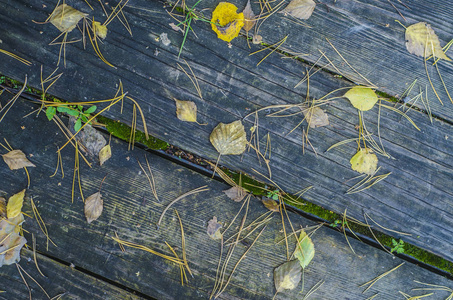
[
  {"x": 422, "y": 41},
  {"x": 271, "y": 205},
  {"x": 362, "y": 98},
  {"x": 236, "y": 193},
  {"x": 186, "y": 110},
  {"x": 99, "y": 30},
  {"x": 257, "y": 39},
  {"x": 11, "y": 241},
  {"x": 287, "y": 276},
  {"x": 176, "y": 28},
  {"x": 226, "y": 22},
  {"x": 249, "y": 17},
  {"x": 65, "y": 17},
  {"x": 305, "y": 251},
  {"x": 229, "y": 139},
  {"x": 16, "y": 159},
  {"x": 213, "y": 229},
  {"x": 301, "y": 9},
  {"x": 93, "y": 207},
  {"x": 316, "y": 117},
  {"x": 104, "y": 154},
  {"x": 14, "y": 206},
  {"x": 2, "y": 208},
  {"x": 364, "y": 161}
]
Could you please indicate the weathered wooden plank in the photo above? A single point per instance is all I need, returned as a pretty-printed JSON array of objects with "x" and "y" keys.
[
  {"x": 412, "y": 199},
  {"x": 60, "y": 279},
  {"x": 132, "y": 212}
]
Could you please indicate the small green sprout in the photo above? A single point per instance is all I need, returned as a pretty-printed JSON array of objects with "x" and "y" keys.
[
  {"x": 273, "y": 194},
  {"x": 398, "y": 247},
  {"x": 72, "y": 110}
]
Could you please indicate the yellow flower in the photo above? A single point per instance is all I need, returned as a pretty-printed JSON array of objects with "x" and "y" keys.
[{"x": 226, "y": 22}]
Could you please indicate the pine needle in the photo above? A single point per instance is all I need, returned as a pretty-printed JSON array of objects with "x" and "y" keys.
[
  {"x": 22, "y": 60},
  {"x": 373, "y": 281},
  {"x": 151, "y": 181},
  {"x": 41, "y": 223},
  {"x": 34, "y": 255}
]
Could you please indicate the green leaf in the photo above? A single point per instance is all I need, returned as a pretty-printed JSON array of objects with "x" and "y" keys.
[
  {"x": 50, "y": 112},
  {"x": 84, "y": 118},
  {"x": 305, "y": 251},
  {"x": 91, "y": 110},
  {"x": 78, "y": 125},
  {"x": 69, "y": 111}
]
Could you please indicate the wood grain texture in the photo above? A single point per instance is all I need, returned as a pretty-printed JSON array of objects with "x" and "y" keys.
[
  {"x": 416, "y": 198},
  {"x": 132, "y": 212}
]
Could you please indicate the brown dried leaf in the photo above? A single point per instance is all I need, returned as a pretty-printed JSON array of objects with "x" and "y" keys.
[
  {"x": 287, "y": 276},
  {"x": 213, "y": 229},
  {"x": 15, "y": 203},
  {"x": 176, "y": 28},
  {"x": 186, "y": 110},
  {"x": 11, "y": 241},
  {"x": 301, "y": 9},
  {"x": 16, "y": 159},
  {"x": 65, "y": 18},
  {"x": 236, "y": 193},
  {"x": 93, "y": 207},
  {"x": 249, "y": 17},
  {"x": 90, "y": 138},
  {"x": 316, "y": 117},
  {"x": 105, "y": 154},
  {"x": 422, "y": 41},
  {"x": 257, "y": 39},
  {"x": 271, "y": 205},
  {"x": 229, "y": 139},
  {"x": 2, "y": 208}
]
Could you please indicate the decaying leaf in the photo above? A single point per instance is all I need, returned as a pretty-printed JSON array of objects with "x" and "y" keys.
[
  {"x": 104, "y": 154},
  {"x": 362, "y": 98},
  {"x": 65, "y": 18},
  {"x": 301, "y": 9},
  {"x": 90, "y": 138},
  {"x": 236, "y": 193},
  {"x": 186, "y": 110},
  {"x": 305, "y": 251},
  {"x": 249, "y": 17},
  {"x": 15, "y": 203},
  {"x": 271, "y": 205},
  {"x": 213, "y": 229},
  {"x": 176, "y": 28},
  {"x": 93, "y": 207},
  {"x": 226, "y": 22},
  {"x": 16, "y": 159},
  {"x": 364, "y": 161},
  {"x": 422, "y": 41},
  {"x": 287, "y": 276},
  {"x": 11, "y": 241},
  {"x": 257, "y": 39},
  {"x": 316, "y": 117},
  {"x": 100, "y": 30},
  {"x": 2, "y": 208},
  {"x": 229, "y": 139}
]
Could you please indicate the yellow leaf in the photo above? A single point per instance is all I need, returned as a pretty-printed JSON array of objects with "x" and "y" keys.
[
  {"x": 422, "y": 41},
  {"x": 104, "y": 154},
  {"x": 186, "y": 110},
  {"x": 305, "y": 251},
  {"x": 226, "y": 22},
  {"x": 364, "y": 161},
  {"x": 362, "y": 98},
  {"x": 65, "y": 18},
  {"x": 2, "y": 208},
  {"x": 16, "y": 159},
  {"x": 14, "y": 206},
  {"x": 99, "y": 29},
  {"x": 93, "y": 207},
  {"x": 301, "y": 9},
  {"x": 287, "y": 276},
  {"x": 229, "y": 139},
  {"x": 271, "y": 205}
]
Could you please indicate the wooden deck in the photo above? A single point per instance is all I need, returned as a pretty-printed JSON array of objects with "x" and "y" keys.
[{"x": 87, "y": 264}]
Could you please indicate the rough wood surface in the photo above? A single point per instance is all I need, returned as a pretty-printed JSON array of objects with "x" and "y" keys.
[
  {"x": 415, "y": 198},
  {"x": 132, "y": 212}
]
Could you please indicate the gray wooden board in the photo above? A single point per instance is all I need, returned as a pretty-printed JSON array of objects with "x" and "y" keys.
[
  {"x": 60, "y": 279},
  {"x": 131, "y": 211},
  {"x": 416, "y": 198}
]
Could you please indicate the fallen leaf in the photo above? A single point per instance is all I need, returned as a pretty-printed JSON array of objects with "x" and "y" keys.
[
  {"x": 2, "y": 208},
  {"x": 93, "y": 207},
  {"x": 229, "y": 139},
  {"x": 271, "y": 205},
  {"x": 362, "y": 98},
  {"x": 236, "y": 193},
  {"x": 164, "y": 39},
  {"x": 364, "y": 161},
  {"x": 65, "y": 18},
  {"x": 287, "y": 276},
  {"x": 176, "y": 28},
  {"x": 226, "y": 22},
  {"x": 16, "y": 159},
  {"x": 15, "y": 203},
  {"x": 257, "y": 39},
  {"x": 99, "y": 29},
  {"x": 301, "y": 9},
  {"x": 104, "y": 154},
  {"x": 90, "y": 138},
  {"x": 11, "y": 242},
  {"x": 213, "y": 229},
  {"x": 422, "y": 41},
  {"x": 305, "y": 251},
  {"x": 316, "y": 117},
  {"x": 186, "y": 110},
  {"x": 249, "y": 17}
]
